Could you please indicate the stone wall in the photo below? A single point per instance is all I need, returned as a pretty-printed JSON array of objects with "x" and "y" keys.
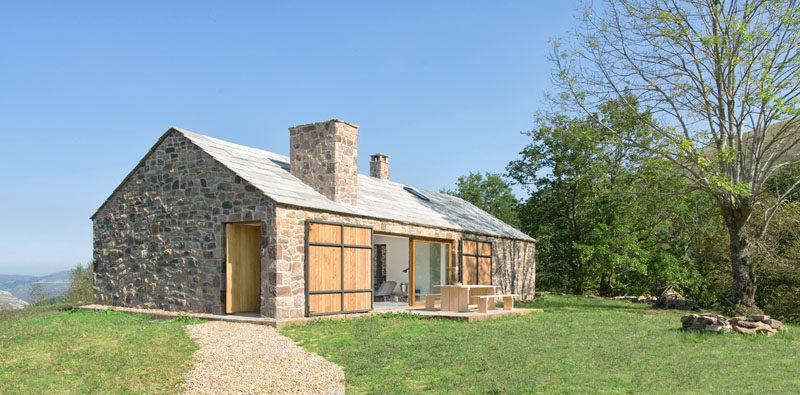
[
  {"x": 324, "y": 155},
  {"x": 159, "y": 240},
  {"x": 513, "y": 263}
]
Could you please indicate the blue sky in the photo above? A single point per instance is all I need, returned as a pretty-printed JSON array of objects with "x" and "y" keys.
[{"x": 443, "y": 88}]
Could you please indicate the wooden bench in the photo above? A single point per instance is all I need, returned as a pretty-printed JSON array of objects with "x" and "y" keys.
[
  {"x": 484, "y": 305},
  {"x": 430, "y": 301}
]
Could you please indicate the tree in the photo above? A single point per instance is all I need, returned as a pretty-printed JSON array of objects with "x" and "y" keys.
[
  {"x": 80, "y": 285},
  {"x": 490, "y": 193},
  {"x": 603, "y": 211},
  {"x": 36, "y": 294},
  {"x": 720, "y": 84}
]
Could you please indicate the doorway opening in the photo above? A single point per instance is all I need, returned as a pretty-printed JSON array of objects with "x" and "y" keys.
[
  {"x": 243, "y": 268},
  {"x": 406, "y": 268},
  {"x": 390, "y": 268}
]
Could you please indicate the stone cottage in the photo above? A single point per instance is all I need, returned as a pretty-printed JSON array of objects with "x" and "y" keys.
[{"x": 204, "y": 225}]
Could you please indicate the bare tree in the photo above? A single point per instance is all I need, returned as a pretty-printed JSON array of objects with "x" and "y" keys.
[{"x": 722, "y": 79}]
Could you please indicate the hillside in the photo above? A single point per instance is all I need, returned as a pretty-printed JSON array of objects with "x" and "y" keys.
[
  {"x": 55, "y": 284},
  {"x": 9, "y": 302},
  {"x": 9, "y": 281}
]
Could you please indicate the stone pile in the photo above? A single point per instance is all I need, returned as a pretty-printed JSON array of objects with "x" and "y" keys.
[
  {"x": 756, "y": 324},
  {"x": 671, "y": 299},
  {"x": 637, "y": 299}
]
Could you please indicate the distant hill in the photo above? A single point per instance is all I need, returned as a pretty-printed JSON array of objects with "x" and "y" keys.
[
  {"x": 9, "y": 302},
  {"x": 55, "y": 284},
  {"x": 8, "y": 281}
]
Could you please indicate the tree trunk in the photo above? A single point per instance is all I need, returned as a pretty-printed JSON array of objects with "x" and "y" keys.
[{"x": 743, "y": 286}]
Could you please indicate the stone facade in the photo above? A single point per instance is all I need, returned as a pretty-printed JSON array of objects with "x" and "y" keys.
[
  {"x": 159, "y": 240},
  {"x": 379, "y": 166},
  {"x": 324, "y": 156},
  {"x": 513, "y": 261}
]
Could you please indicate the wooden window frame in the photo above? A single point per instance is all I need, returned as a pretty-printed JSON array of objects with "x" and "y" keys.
[
  {"x": 341, "y": 246},
  {"x": 477, "y": 255}
]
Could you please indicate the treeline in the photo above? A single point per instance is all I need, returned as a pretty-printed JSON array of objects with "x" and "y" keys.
[{"x": 614, "y": 218}]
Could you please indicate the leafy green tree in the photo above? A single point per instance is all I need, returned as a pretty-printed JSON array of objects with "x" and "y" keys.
[
  {"x": 80, "y": 286},
  {"x": 489, "y": 192},
  {"x": 604, "y": 212},
  {"x": 719, "y": 85}
]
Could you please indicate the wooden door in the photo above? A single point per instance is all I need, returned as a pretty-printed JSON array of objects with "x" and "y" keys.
[
  {"x": 338, "y": 268},
  {"x": 476, "y": 262},
  {"x": 243, "y": 268}
]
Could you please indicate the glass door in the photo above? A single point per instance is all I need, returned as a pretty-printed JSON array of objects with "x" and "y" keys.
[{"x": 431, "y": 266}]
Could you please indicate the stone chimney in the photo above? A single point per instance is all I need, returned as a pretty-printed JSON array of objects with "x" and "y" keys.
[
  {"x": 324, "y": 156},
  {"x": 379, "y": 166}
]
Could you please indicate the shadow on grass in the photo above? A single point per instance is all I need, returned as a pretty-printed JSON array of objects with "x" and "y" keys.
[{"x": 581, "y": 303}]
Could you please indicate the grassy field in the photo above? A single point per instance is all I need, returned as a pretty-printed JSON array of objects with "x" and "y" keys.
[
  {"x": 576, "y": 345},
  {"x": 44, "y": 350}
]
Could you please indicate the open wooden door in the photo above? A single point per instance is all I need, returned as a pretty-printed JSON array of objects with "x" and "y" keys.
[
  {"x": 243, "y": 268},
  {"x": 338, "y": 268}
]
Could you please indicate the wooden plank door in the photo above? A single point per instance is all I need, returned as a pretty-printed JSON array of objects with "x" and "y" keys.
[
  {"x": 338, "y": 268},
  {"x": 243, "y": 268}
]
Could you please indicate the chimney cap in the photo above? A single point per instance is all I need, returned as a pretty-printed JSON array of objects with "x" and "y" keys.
[
  {"x": 321, "y": 122},
  {"x": 378, "y": 155}
]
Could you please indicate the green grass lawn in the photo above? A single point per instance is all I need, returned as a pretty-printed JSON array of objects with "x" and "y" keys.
[
  {"x": 44, "y": 350},
  {"x": 576, "y": 345}
]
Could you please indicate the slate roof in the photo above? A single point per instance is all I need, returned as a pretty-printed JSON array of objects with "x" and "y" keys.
[{"x": 269, "y": 172}]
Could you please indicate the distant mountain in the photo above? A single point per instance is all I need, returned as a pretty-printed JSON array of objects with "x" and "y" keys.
[
  {"x": 55, "y": 284},
  {"x": 10, "y": 281},
  {"x": 9, "y": 302}
]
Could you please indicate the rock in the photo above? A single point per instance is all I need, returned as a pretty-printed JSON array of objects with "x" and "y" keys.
[
  {"x": 718, "y": 328},
  {"x": 746, "y": 331},
  {"x": 717, "y": 323},
  {"x": 688, "y": 318},
  {"x": 705, "y": 320},
  {"x": 775, "y": 324},
  {"x": 749, "y": 324}
]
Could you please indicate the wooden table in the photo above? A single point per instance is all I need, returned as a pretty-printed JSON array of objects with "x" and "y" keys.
[{"x": 457, "y": 297}]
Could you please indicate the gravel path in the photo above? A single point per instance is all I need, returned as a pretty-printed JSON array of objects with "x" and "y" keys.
[{"x": 255, "y": 359}]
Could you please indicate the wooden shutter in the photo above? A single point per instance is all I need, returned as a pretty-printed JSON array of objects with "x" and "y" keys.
[
  {"x": 338, "y": 268},
  {"x": 476, "y": 262}
]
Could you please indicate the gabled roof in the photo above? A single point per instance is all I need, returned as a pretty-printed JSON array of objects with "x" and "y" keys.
[{"x": 380, "y": 199}]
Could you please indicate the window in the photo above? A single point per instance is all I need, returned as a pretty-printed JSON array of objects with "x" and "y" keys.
[
  {"x": 476, "y": 262},
  {"x": 416, "y": 193}
]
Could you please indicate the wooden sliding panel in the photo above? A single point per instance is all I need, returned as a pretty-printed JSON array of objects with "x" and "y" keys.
[
  {"x": 476, "y": 262},
  {"x": 338, "y": 268},
  {"x": 243, "y": 268},
  {"x": 485, "y": 271},
  {"x": 469, "y": 270}
]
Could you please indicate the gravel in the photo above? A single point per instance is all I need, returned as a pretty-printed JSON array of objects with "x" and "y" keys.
[{"x": 255, "y": 359}]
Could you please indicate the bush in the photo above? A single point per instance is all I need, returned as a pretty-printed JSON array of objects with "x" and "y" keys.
[{"x": 80, "y": 288}]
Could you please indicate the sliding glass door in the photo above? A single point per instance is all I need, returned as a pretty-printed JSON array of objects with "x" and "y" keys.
[{"x": 431, "y": 266}]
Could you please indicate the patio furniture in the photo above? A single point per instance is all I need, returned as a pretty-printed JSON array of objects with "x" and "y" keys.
[
  {"x": 430, "y": 301},
  {"x": 487, "y": 302},
  {"x": 456, "y": 298},
  {"x": 385, "y": 289}
]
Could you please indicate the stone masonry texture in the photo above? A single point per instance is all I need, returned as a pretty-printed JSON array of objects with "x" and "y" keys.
[
  {"x": 159, "y": 240},
  {"x": 324, "y": 156},
  {"x": 379, "y": 166}
]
